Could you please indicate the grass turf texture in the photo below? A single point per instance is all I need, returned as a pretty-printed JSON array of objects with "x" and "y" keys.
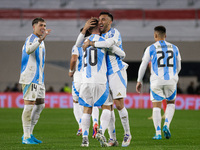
[{"x": 57, "y": 129}]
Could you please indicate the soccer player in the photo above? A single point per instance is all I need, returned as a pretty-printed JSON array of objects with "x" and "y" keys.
[
  {"x": 32, "y": 79},
  {"x": 94, "y": 90},
  {"x": 85, "y": 33},
  {"x": 75, "y": 71},
  {"x": 117, "y": 76},
  {"x": 165, "y": 65},
  {"x": 76, "y": 67},
  {"x": 114, "y": 49}
]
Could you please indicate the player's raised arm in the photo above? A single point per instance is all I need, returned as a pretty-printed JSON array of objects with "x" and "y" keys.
[
  {"x": 83, "y": 33},
  {"x": 31, "y": 47},
  {"x": 45, "y": 33}
]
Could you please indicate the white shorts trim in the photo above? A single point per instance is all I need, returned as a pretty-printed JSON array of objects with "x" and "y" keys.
[
  {"x": 161, "y": 92},
  {"x": 93, "y": 94},
  {"x": 75, "y": 90},
  {"x": 109, "y": 100}
]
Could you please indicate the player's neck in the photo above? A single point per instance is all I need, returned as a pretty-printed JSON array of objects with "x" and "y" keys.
[
  {"x": 36, "y": 34},
  {"x": 108, "y": 30},
  {"x": 160, "y": 39},
  {"x": 96, "y": 31}
]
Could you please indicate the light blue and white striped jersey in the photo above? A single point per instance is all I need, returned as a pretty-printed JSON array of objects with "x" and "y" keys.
[
  {"x": 79, "y": 64},
  {"x": 164, "y": 58},
  {"x": 114, "y": 63},
  {"x": 33, "y": 61},
  {"x": 95, "y": 69}
]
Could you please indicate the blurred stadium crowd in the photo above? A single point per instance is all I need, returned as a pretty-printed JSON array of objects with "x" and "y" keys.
[
  {"x": 191, "y": 89},
  {"x": 135, "y": 19}
]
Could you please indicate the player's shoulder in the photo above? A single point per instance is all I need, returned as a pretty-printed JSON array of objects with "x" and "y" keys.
[
  {"x": 76, "y": 49},
  {"x": 152, "y": 46},
  {"x": 31, "y": 37},
  {"x": 74, "y": 46},
  {"x": 96, "y": 37},
  {"x": 93, "y": 36},
  {"x": 173, "y": 46},
  {"x": 114, "y": 31}
]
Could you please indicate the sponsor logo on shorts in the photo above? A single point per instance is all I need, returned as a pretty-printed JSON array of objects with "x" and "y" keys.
[
  {"x": 119, "y": 94},
  {"x": 33, "y": 96}
]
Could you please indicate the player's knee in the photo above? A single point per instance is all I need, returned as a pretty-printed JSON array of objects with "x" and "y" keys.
[
  {"x": 119, "y": 107},
  {"x": 43, "y": 106},
  {"x": 119, "y": 103},
  {"x": 75, "y": 101},
  {"x": 39, "y": 101},
  {"x": 106, "y": 107}
]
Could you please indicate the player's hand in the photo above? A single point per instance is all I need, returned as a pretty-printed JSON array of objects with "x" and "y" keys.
[
  {"x": 138, "y": 87},
  {"x": 46, "y": 32},
  {"x": 71, "y": 74},
  {"x": 86, "y": 44},
  {"x": 88, "y": 24}
]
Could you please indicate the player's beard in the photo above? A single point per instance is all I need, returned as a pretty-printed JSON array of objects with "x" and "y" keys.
[{"x": 105, "y": 28}]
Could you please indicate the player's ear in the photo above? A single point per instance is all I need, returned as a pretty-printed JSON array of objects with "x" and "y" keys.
[
  {"x": 110, "y": 22},
  {"x": 33, "y": 27},
  {"x": 155, "y": 35}
]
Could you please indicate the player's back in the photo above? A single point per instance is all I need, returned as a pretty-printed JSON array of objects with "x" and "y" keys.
[
  {"x": 95, "y": 68},
  {"x": 164, "y": 58}
]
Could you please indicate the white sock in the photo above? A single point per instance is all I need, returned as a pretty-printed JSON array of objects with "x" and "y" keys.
[
  {"x": 169, "y": 113},
  {"x": 95, "y": 115},
  {"x": 124, "y": 119},
  {"x": 85, "y": 124},
  {"x": 35, "y": 115},
  {"x": 111, "y": 126},
  {"x": 78, "y": 112},
  {"x": 105, "y": 120},
  {"x": 157, "y": 119},
  {"x": 26, "y": 120}
]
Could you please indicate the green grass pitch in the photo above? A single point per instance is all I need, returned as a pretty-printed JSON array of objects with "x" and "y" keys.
[{"x": 57, "y": 129}]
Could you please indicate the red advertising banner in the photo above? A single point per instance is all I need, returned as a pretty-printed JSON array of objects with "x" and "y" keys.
[{"x": 63, "y": 100}]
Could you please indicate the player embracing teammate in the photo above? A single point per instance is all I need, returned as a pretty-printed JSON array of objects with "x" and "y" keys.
[{"x": 116, "y": 73}]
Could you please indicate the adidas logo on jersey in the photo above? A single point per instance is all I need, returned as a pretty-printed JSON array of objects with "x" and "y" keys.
[{"x": 119, "y": 94}]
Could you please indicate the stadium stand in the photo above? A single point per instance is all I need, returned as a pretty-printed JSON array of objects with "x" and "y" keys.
[
  {"x": 105, "y": 4},
  {"x": 135, "y": 19}
]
